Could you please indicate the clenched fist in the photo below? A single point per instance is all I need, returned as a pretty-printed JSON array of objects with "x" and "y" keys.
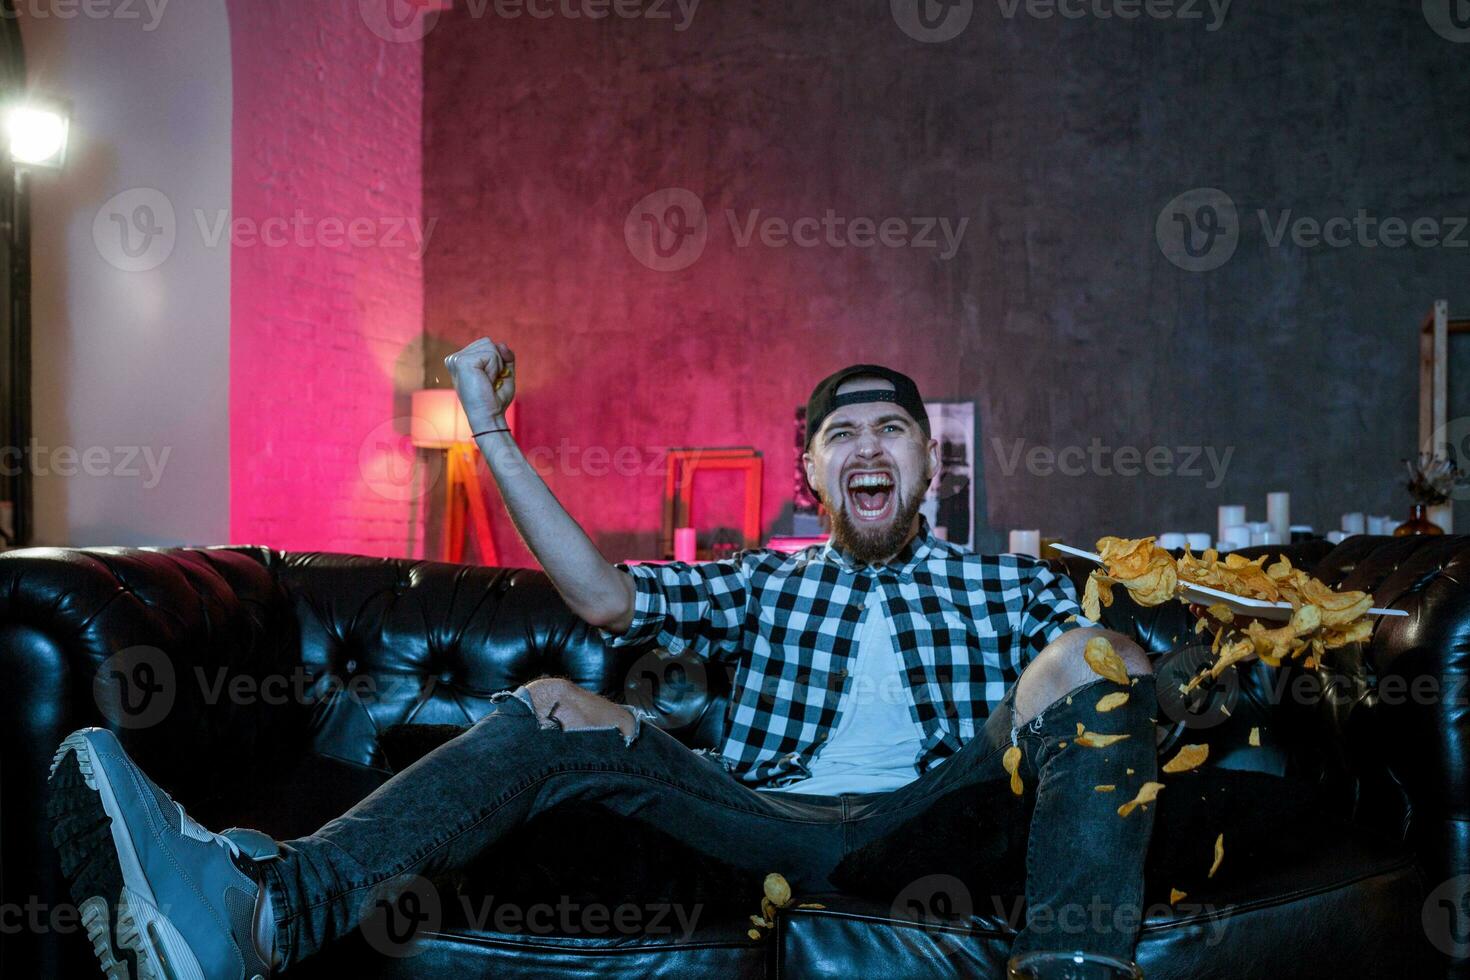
[{"x": 484, "y": 376}]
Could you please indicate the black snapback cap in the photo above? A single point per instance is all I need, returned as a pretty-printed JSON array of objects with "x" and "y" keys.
[{"x": 825, "y": 400}]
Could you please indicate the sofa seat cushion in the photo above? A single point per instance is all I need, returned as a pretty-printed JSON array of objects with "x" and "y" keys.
[
  {"x": 1293, "y": 878},
  {"x": 460, "y": 948},
  {"x": 1352, "y": 910}
]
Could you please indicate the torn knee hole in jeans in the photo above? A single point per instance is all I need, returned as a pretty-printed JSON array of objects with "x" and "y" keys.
[{"x": 550, "y": 722}]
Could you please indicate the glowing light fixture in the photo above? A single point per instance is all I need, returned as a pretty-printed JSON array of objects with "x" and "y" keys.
[{"x": 37, "y": 130}]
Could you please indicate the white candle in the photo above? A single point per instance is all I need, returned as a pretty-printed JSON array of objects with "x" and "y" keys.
[
  {"x": 1236, "y": 536},
  {"x": 1199, "y": 541},
  {"x": 1230, "y": 514},
  {"x": 684, "y": 546},
  {"x": 1278, "y": 514},
  {"x": 1354, "y": 523},
  {"x": 1443, "y": 515},
  {"x": 1026, "y": 543},
  {"x": 1170, "y": 540}
]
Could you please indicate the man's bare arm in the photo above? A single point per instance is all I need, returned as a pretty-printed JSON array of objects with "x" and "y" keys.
[{"x": 591, "y": 586}]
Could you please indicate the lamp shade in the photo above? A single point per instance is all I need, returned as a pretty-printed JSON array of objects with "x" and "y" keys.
[{"x": 438, "y": 420}]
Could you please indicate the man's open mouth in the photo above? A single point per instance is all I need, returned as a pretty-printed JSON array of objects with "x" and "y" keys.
[{"x": 872, "y": 494}]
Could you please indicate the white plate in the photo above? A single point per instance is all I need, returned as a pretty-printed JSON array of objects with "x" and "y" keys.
[{"x": 1259, "y": 608}]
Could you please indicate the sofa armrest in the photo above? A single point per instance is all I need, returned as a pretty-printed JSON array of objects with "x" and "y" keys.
[{"x": 79, "y": 625}]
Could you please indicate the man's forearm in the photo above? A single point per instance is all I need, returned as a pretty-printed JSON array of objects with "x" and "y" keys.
[{"x": 593, "y": 588}]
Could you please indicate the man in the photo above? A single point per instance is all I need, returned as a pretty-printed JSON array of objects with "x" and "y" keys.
[{"x": 874, "y": 675}]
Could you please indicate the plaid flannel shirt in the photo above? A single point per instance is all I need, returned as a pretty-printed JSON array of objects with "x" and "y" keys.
[{"x": 966, "y": 625}]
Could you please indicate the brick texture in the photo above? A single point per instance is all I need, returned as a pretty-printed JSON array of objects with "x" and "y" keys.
[{"x": 326, "y": 316}]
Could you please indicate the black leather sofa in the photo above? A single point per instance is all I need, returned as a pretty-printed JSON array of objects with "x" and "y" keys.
[{"x": 265, "y": 728}]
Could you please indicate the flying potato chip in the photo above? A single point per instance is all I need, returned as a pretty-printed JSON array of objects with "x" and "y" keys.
[
  {"x": 1255, "y": 737},
  {"x": 1219, "y": 855},
  {"x": 1097, "y": 740},
  {"x": 1110, "y": 701},
  {"x": 1098, "y": 592},
  {"x": 1147, "y": 793},
  {"x": 1104, "y": 788},
  {"x": 1104, "y": 660},
  {"x": 1011, "y": 762},
  {"x": 1175, "y": 895},
  {"x": 777, "y": 889},
  {"x": 1188, "y": 757}
]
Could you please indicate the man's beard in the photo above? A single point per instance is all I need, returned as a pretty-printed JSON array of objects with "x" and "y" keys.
[{"x": 871, "y": 546}]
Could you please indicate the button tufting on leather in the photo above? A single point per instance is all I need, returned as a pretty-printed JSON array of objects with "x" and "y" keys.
[{"x": 350, "y": 666}]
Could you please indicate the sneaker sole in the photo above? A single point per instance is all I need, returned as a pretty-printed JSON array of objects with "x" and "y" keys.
[{"x": 102, "y": 867}]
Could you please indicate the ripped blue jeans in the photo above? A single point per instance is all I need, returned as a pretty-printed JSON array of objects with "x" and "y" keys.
[{"x": 439, "y": 814}]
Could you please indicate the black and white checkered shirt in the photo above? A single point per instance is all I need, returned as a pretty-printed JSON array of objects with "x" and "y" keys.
[{"x": 965, "y": 625}]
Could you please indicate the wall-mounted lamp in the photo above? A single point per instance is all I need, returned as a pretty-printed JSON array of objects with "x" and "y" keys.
[{"x": 37, "y": 129}]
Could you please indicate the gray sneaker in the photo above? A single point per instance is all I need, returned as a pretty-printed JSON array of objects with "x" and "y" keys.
[{"x": 161, "y": 897}]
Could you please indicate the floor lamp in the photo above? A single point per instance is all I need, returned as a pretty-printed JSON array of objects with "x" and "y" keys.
[{"x": 439, "y": 423}]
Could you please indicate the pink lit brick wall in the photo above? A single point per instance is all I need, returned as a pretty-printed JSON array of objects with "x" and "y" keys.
[{"x": 326, "y": 315}]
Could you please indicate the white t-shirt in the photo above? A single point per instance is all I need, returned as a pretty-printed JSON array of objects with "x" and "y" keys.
[{"x": 875, "y": 744}]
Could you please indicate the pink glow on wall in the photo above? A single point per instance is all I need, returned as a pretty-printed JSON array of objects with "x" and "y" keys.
[{"x": 327, "y": 280}]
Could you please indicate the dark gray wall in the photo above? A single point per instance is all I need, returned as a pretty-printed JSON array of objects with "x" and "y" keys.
[{"x": 1062, "y": 141}]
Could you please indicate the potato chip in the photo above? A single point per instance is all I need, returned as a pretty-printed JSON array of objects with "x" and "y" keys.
[
  {"x": 753, "y": 933},
  {"x": 1104, "y": 788},
  {"x": 1130, "y": 770},
  {"x": 777, "y": 889},
  {"x": 1104, "y": 660},
  {"x": 1219, "y": 854},
  {"x": 1188, "y": 757},
  {"x": 1110, "y": 701},
  {"x": 1011, "y": 762},
  {"x": 1175, "y": 895},
  {"x": 1255, "y": 737},
  {"x": 768, "y": 909},
  {"x": 1097, "y": 593},
  {"x": 756, "y": 920},
  {"x": 1147, "y": 793},
  {"x": 1097, "y": 740},
  {"x": 811, "y": 905},
  {"x": 1221, "y": 612}
]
